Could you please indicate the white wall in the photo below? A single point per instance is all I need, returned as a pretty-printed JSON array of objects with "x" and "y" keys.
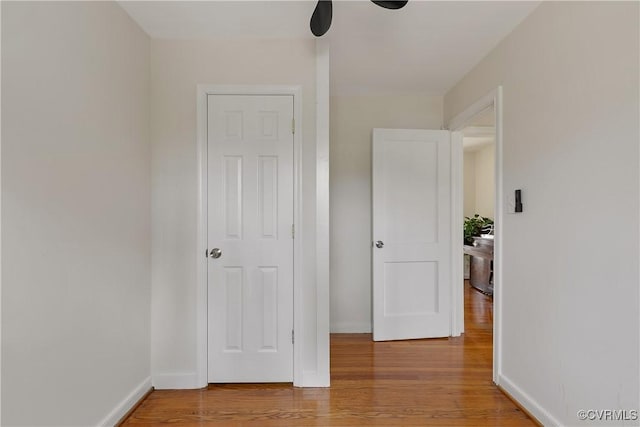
[
  {"x": 0, "y": 222},
  {"x": 352, "y": 120},
  {"x": 485, "y": 183},
  {"x": 570, "y": 285},
  {"x": 479, "y": 181},
  {"x": 176, "y": 68},
  {"x": 469, "y": 206},
  {"x": 75, "y": 212}
]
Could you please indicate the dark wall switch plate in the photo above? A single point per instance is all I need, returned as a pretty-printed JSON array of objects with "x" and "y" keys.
[{"x": 518, "y": 207}]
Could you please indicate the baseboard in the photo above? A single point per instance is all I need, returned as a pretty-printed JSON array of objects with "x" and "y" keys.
[
  {"x": 313, "y": 379},
  {"x": 126, "y": 404},
  {"x": 181, "y": 381},
  {"x": 350, "y": 328},
  {"x": 528, "y": 404},
  {"x": 133, "y": 408}
]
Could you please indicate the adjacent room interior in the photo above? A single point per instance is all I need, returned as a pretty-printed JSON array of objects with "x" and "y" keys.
[{"x": 479, "y": 145}]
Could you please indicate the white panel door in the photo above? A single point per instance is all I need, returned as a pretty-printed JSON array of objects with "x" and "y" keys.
[
  {"x": 411, "y": 234},
  {"x": 250, "y": 205}
]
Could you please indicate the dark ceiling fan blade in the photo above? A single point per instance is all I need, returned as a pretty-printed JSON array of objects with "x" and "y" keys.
[
  {"x": 389, "y": 4},
  {"x": 321, "y": 18}
]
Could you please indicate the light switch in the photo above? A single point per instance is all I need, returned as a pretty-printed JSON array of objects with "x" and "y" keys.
[{"x": 518, "y": 201}]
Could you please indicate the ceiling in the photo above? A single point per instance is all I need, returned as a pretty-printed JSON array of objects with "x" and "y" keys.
[{"x": 426, "y": 47}]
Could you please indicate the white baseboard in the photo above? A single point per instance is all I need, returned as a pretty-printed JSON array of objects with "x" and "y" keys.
[
  {"x": 126, "y": 404},
  {"x": 181, "y": 381},
  {"x": 351, "y": 328},
  {"x": 313, "y": 379},
  {"x": 527, "y": 402},
  {"x": 190, "y": 381}
]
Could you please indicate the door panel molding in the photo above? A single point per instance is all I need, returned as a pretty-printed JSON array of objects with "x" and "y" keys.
[
  {"x": 411, "y": 228},
  {"x": 203, "y": 91},
  {"x": 250, "y": 287}
]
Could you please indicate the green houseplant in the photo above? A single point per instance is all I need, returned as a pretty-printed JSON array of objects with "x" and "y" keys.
[{"x": 474, "y": 226}]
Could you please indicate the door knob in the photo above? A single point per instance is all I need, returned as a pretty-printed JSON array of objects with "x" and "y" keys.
[
  {"x": 215, "y": 253},
  {"x": 379, "y": 244}
]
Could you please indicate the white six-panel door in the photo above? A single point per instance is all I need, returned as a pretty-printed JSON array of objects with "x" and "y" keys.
[
  {"x": 250, "y": 219},
  {"x": 411, "y": 234}
]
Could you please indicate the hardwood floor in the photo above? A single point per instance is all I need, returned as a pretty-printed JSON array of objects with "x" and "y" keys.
[{"x": 437, "y": 382}]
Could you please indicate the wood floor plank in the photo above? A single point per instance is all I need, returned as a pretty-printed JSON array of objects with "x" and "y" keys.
[{"x": 439, "y": 382}]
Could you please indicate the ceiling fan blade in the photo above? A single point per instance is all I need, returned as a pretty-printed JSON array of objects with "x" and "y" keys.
[
  {"x": 389, "y": 4},
  {"x": 321, "y": 18}
]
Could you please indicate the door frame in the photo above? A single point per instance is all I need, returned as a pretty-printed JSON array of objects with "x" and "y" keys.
[
  {"x": 491, "y": 100},
  {"x": 203, "y": 91}
]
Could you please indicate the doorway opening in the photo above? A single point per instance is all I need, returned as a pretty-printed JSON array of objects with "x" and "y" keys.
[
  {"x": 478, "y": 144},
  {"x": 481, "y": 121}
]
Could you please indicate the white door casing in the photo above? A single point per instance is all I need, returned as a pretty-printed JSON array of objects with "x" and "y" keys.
[
  {"x": 250, "y": 219},
  {"x": 412, "y": 218}
]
